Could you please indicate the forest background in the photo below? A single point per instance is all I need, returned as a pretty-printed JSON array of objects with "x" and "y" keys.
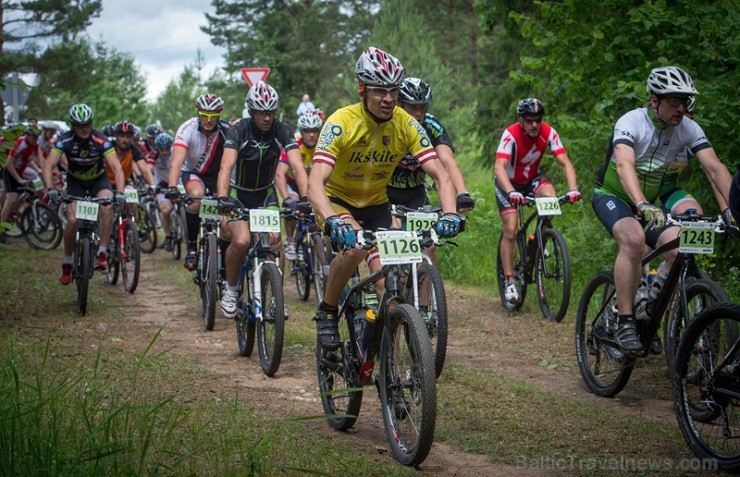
[{"x": 587, "y": 65}]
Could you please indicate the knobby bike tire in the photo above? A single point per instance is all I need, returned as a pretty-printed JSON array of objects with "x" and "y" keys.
[
  {"x": 700, "y": 294},
  {"x": 41, "y": 227},
  {"x": 131, "y": 263},
  {"x": 245, "y": 321},
  {"x": 519, "y": 275},
  {"x": 553, "y": 275},
  {"x": 341, "y": 397},
  {"x": 302, "y": 272},
  {"x": 605, "y": 369},
  {"x": 147, "y": 230},
  {"x": 407, "y": 385},
  {"x": 271, "y": 329},
  {"x": 434, "y": 313},
  {"x": 83, "y": 272},
  {"x": 320, "y": 261},
  {"x": 178, "y": 231},
  {"x": 208, "y": 269},
  {"x": 705, "y": 391},
  {"x": 114, "y": 253}
]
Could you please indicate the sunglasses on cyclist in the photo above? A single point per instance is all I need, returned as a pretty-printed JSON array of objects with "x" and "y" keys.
[
  {"x": 379, "y": 92},
  {"x": 676, "y": 102},
  {"x": 209, "y": 116}
]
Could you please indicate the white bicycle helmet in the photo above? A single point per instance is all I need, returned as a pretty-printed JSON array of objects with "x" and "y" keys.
[
  {"x": 691, "y": 105},
  {"x": 309, "y": 121},
  {"x": 80, "y": 114},
  {"x": 415, "y": 91},
  {"x": 375, "y": 67},
  {"x": 210, "y": 103},
  {"x": 670, "y": 79},
  {"x": 261, "y": 97}
]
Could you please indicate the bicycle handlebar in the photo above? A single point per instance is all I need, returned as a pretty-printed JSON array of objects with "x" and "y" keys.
[
  {"x": 100, "y": 200},
  {"x": 716, "y": 221},
  {"x": 530, "y": 200}
]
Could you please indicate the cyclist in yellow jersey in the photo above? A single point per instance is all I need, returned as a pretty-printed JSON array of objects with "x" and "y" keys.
[
  {"x": 309, "y": 126},
  {"x": 359, "y": 147}
]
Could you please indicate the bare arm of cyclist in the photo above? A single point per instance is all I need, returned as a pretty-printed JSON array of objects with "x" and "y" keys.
[
  {"x": 51, "y": 161},
  {"x": 317, "y": 180},
  {"x": 445, "y": 154},
  {"x": 115, "y": 164},
  {"x": 301, "y": 178},
  {"x": 228, "y": 161},
  {"x": 568, "y": 170},
  {"x": 178, "y": 159},
  {"x": 499, "y": 172},
  {"x": 281, "y": 182},
  {"x": 447, "y": 194},
  {"x": 718, "y": 175}
]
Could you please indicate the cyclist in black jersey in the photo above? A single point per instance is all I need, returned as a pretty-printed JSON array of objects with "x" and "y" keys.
[
  {"x": 247, "y": 176},
  {"x": 86, "y": 151}
]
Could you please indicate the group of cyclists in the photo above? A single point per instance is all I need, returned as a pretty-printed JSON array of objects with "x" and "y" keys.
[{"x": 347, "y": 169}]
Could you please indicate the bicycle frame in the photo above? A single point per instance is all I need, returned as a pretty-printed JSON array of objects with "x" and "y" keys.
[
  {"x": 525, "y": 243},
  {"x": 252, "y": 270}
]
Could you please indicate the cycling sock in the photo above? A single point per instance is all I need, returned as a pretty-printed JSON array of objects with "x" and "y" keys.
[
  {"x": 193, "y": 222},
  {"x": 67, "y": 260},
  {"x": 102, "y": 249}
]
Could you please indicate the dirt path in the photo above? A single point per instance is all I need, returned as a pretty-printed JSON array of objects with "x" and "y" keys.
[{"x": 293, "y": 390}]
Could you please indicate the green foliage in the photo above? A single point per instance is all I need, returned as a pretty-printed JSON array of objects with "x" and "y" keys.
[{"x": 111, "y": 84}]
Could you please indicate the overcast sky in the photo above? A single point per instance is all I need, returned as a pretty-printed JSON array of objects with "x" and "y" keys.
[{"x": 162, "y": 36}]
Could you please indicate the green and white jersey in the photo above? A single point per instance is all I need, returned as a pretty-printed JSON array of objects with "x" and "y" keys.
[{"x": 657, "y": 152}]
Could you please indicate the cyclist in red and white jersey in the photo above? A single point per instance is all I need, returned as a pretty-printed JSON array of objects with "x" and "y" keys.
[
  {"x": 196, "y": 156},
  {"x": 20, "y": 158},
  {"x": 516, "y": 171}
]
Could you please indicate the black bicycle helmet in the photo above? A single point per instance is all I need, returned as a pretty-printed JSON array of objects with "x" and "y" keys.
[{"x": 530, "y": 107}]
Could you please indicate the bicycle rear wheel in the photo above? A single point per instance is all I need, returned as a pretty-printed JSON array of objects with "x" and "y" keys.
[
  {"x": 341, "y": 398},
  {"x": 519, "y": 275},
  {"x": 208, "y": 270},
  {"x": 553, "y": 275},
  {"x": 130, "y": 257},
  {"x": 706, "y": 383},
  {"x": 41, "y": 227},
  {"x": 271, "y": 329},
  {"x": 700, "y": 294},
  {"x": 83, "y": 272},
  {"x": 147, "y": 230},
  {"x": 408, "y": 388},
  {"x": 605, "y": 369},
  {"x": 433, "y": 310}
]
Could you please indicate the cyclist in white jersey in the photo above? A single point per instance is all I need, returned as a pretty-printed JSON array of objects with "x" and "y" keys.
[{"x": 645, "y": 142}]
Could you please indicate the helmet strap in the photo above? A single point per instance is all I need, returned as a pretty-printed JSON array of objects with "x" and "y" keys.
[{"x": 657, "y": 122}]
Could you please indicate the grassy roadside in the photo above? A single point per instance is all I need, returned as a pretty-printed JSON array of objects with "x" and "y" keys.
[{"x": 74, "y": 401}]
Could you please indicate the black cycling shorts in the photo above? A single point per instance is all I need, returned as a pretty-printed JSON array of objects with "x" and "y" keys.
[
  {"x": 88, "y": 188},
  {"x": 413, "y": 197}
]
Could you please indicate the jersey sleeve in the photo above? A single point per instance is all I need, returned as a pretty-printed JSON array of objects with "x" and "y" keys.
[
  {"x": 329, "y": 143},
  {"x": 420, "y": 146},
  {"x": 553, "y": 142},
  {"x": 505, "y": 148},
  {"x": 181, "y": 136}
]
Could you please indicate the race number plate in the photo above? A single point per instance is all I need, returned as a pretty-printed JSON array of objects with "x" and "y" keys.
[
  {"x": 264, "y": 220},
  {"x": 398, "y": 247},
  {"x": 548, "y": 206},
  {"x": 132, "y": 196},
  {"x": 696, "y": 238},
  {"x": 209, "y": 209},
  {"x": 86, "y": 210},
  {"x": 420, "y": 221}
]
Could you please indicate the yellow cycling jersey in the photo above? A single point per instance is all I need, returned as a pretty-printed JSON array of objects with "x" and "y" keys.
[
  {"x": 306, "y": 157},
  {"x": 364, "y": 153}
]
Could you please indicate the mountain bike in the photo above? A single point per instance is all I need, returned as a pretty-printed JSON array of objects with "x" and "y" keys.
[
  {"x": 123, "y": 251},
  {"x": 261, "y": 303},
  {"x": 541, "y": 257},
  {"x": 208, "y": 272},
  {"x": 398, "y": 338},
  {"x": 302, "y": 268},
  {"x": 706, "y": 385},
  {"x": 604, "y": 366},
  {"x": 86, "y": 243},
  {"x": 37, "y": 223},
  {"x": 424, "y": 287}
]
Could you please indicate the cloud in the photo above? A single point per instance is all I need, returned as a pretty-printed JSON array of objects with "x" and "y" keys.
[{"x": 163, "y": 36}]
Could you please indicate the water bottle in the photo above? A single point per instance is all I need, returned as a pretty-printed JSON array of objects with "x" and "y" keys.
[
  {"x": 641, "y": 299},
  {"x": 367, "y": 329}
]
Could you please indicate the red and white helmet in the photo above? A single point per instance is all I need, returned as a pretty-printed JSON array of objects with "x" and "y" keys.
[
  {"x": 375, "y": 67},
  {"x": 210, "y": 103},
  {"x": 261, "y": 97}
]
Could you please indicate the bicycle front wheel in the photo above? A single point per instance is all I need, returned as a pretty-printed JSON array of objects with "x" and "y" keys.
[
  {"x": 245, "y": 321},
  {"x": 177, "y": 231},
  {"x": 520, "y": 276},
  {"x": 302, "y": 271},
  {"x": 114, "y": 262},
  {"x": 433, "y": 310},
  {"x": 208, "y": 270},
  {"x": 147, "y": 230},
  {"x": 41, "y": 227},
  {"x": 553, "y": 275},
  {"x": 130, "y": 257},
  {"x": 605, "y": 368},
  {"x": 83, "y": 272},
  {"x": 271, "y": 328},
  {"x": 700, "y": 294},
  {"x": 706, "y": 383},
  {"x": 320, "y": 256},
  {"x": 408, "y": 388}
]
